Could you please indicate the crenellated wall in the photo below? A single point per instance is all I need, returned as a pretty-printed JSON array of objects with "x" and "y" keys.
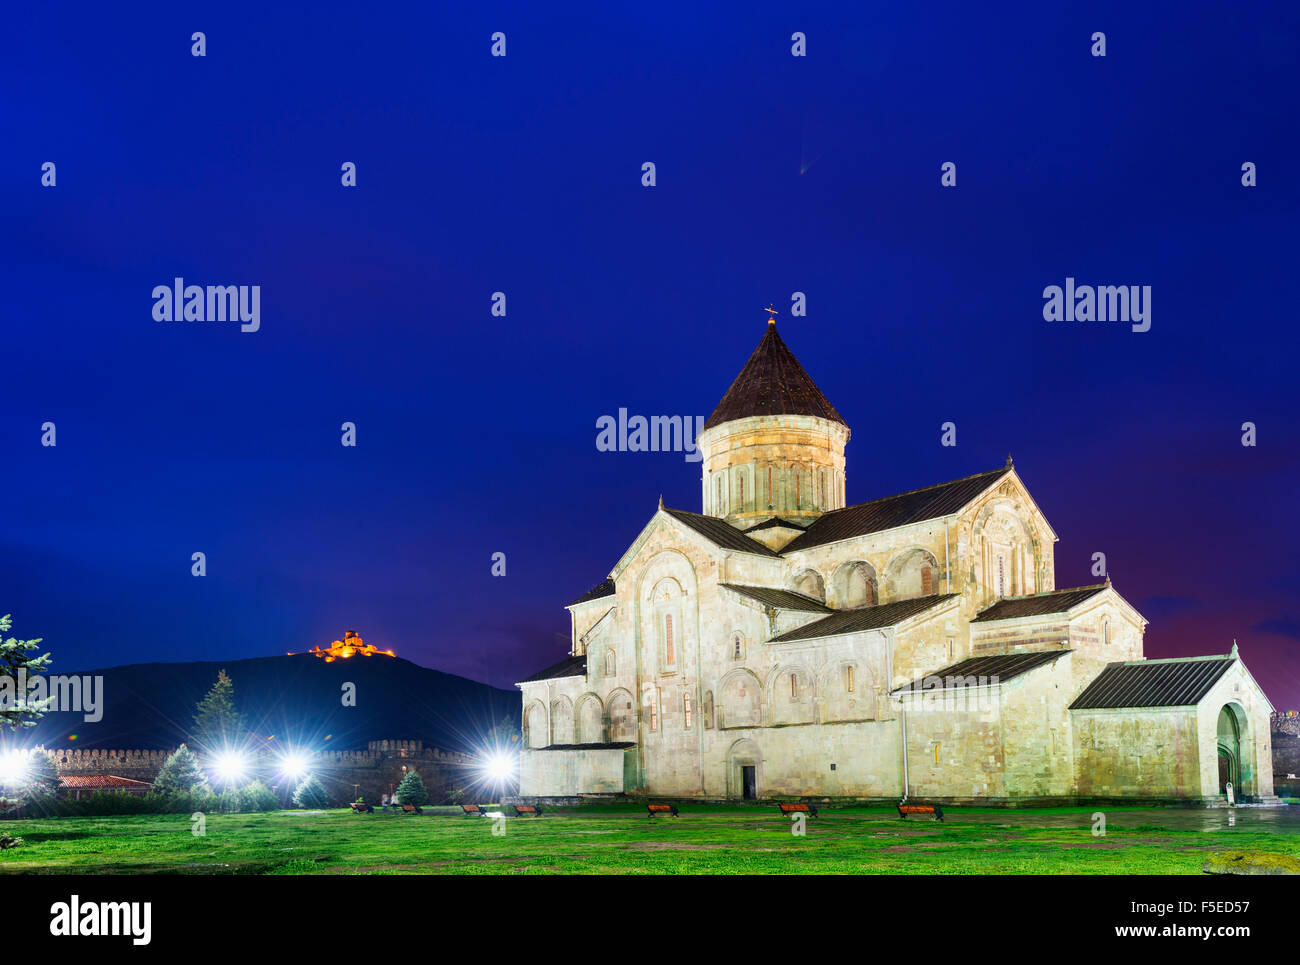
[{"x": 346, "y": 774}]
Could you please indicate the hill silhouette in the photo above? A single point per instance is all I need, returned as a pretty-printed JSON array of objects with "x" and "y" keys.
[{"x": 296, "y": 700}]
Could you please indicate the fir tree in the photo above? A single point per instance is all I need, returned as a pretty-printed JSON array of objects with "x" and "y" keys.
[
  {"x": 412, "y": 790},
  {"x": 218, "y": 724},
  {"x": 42, "y": 775},
  {"x": 15, "y": 655},
  {"x": 310, "y": 794},
  {"x": 181, "y": 774}
]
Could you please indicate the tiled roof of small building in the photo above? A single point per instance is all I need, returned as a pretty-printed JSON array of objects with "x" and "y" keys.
[
  {"x": 598, "y": 591},
  {"x": 720, "y": 532},
  {"x": 1003, "y": 667},
  {"x": 101, "y": 782},
  {"x": 1055, "y": 601},
  {"x": 864, "y": 618},
  {"x": 888, "y": 512},
  {"x": 783, "y": 599},
  {"x": 568, "y": 667},
  {"x": 1153, "y": 683},
  {"x": 772, "y": 383}
]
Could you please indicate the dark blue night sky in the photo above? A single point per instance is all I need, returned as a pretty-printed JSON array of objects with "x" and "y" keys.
[{"x": 478, "y": 174}]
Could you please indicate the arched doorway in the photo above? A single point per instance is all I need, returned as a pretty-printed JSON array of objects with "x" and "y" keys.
[
  {"x": 1234, "y": 752},
  {"x": 744, "y": 771}
]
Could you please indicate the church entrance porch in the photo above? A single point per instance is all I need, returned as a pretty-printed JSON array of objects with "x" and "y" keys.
[{"x": 1231, "y": 732}]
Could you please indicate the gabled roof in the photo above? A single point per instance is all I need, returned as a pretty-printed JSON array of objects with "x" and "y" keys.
[
  {"x": 864, "y": 618},
  {"x": 776, "y": 522},
  {"x": 772, "y": 383},
  {"x": 568, "y": 667},
  {"x": 1153, "y": 683},
  {"x": 1055, "y": 601},
  {"x": 598, "y": 591},
  {"x": 720, "y": 532},
  {"x": 782, "y": 599},
  {"x": 932, "y": 502},
  {"x": 1003, "y": 667}
]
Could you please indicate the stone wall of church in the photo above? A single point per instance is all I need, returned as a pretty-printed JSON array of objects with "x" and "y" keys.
[
  {"x": 575, "y": 771},
  {"x": 1149, "y": 752},
  {"x": 1007, "y": 740}
]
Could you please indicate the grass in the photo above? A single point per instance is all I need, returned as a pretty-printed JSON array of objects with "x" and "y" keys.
[{"x": 620, "y": 840}]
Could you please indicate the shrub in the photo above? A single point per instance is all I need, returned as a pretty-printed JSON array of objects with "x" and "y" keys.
[
  {"x": 412, "y": 790},
  {"x": 256, "y": 796},
  {"x": 310, "y": 794}
]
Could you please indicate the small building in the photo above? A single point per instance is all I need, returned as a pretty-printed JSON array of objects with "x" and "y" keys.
[{"x": 77, "y": 787}]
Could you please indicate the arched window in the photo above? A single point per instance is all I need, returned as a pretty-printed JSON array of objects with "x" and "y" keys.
[
  {"x": 742, "y": 493},
  {"x": 794, "y": 686},
  {"x": 927, "y": 579},
  {"x": 1105, "y": 632},
  {"x": 848, "y": 678},
  {"x": 609, "y": 663},
  {"x": 653, "y": 697},
  {"x": 686, "y": 709},
  {"x": 670, "y": 656},
  {"x": 737, "y": 647},
  {"x": 1001, "y": 576}
]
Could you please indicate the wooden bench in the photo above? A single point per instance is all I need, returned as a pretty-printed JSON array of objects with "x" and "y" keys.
[
  {"x": 360, "y": 808},
  {"x": 411, "y": 809},
  {"x": 662, "y": 809},
  {"x": 472, "y": 809},
  {"x": 798, "y": 808},
  {"x": 905, "y": 809},
  {"x": 522, "y": 809}
]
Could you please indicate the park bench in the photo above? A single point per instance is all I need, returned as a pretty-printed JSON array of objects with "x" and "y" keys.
[
  {"x": 798, "y": 808},
  {"x": 905, "y": 809},
  {"x": 360, "y": 808},
  {"x": 522, "y": 809},
  {"x": 411, "y": 809},
  {"x": 472, "y": 809},
  {"x": 662, "y": 809}
]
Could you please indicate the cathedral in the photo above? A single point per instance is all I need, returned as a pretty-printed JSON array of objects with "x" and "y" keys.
[{"x": 781, "y": 644}]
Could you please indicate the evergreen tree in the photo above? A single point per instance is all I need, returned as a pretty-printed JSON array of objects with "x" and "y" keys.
[
  {"x": 42, "y": 775},
  {"x": 15, "y": 655},
  {"x": 310, "y": 794},
  {"x": 218, "y": 724},
  {"x": 181, "y": 774},
  {"x": 412, "y": 790}
]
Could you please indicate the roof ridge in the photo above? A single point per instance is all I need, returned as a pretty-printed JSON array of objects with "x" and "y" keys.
[
  {"x": 921, "y": 489},
  {"x": 1151, "y": 660},
  {"x": 1068, "y": 589}
]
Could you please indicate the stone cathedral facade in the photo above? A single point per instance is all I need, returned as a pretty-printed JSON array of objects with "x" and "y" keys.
[{"x": 784, "y": 644}]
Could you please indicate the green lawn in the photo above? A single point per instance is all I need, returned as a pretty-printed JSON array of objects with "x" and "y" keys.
[{"x": 620, "y": 840}]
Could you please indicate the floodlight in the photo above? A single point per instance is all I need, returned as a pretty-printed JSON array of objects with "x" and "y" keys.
[
  {"x": 15, "y": 767},
  {"x": 230, "y": 766}
]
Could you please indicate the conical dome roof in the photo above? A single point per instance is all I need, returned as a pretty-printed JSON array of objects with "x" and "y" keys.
[{"x": 773, "y": 383}]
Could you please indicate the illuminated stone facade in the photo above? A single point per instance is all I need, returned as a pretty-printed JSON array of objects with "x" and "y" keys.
[{"x": 781, "y": 644}]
